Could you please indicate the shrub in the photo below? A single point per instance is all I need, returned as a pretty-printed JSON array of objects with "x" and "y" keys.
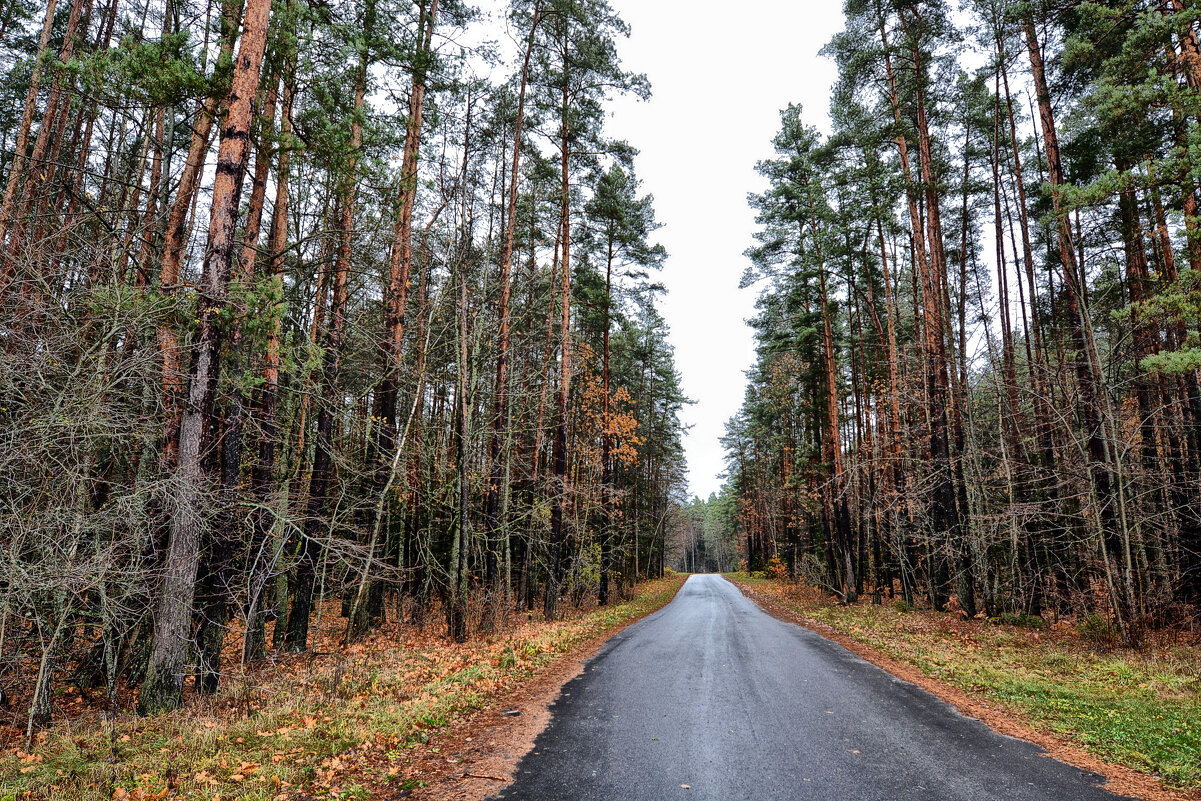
[
  {"x": 1097, "y": 630},
  {"x": 776, "y": 569},
  {"x": 1021, "y": 620},
  {"x": 507, "y": 657}
]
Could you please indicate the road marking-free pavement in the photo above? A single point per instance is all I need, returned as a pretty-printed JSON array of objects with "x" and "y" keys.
[{"x": 712, "y": 698}]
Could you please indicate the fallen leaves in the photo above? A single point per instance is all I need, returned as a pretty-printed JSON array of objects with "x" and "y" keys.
[
  {"x": 289, "y": 730},
  {"x": 140, "y": 794}
]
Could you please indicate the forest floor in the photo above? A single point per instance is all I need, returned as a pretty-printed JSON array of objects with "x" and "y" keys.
[
  {"x": 388, "y": 718},
  {"x": 1132, "y": 716}
]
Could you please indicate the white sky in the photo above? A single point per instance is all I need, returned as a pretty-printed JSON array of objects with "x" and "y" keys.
[{"x": 720, "y": 73}]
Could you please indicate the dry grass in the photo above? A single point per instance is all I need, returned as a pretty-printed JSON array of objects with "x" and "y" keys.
[{"x": 306, "y": 727}]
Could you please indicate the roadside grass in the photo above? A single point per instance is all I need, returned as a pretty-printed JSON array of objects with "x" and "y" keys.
[
  {"x": 1138, "y": 709},
  {"x": 305, "y": 728}
]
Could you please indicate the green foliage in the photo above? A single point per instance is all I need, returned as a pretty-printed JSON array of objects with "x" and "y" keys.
[
  {"x": 163, "y": 72},
  {"x": 508, "y": 658},
  {"x": 1099, "y": 631},
  {"x": 1019, "y": 620},
  {"x": 1173, "y": 362}
]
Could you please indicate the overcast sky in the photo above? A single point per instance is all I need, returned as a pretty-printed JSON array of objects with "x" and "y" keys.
[{"x": 720, "y": 73}]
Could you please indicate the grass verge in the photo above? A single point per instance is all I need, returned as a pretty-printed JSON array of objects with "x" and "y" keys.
[
  {"x": 306, "y": 728},
  {"x": 1140, "y": 710}
]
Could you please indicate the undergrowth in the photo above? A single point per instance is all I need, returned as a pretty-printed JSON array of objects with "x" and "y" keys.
[{"x": 305, "y": 728}]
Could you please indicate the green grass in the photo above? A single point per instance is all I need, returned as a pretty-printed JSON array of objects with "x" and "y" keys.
[
  {"x": 1139, "y": 709},
  {"x": 311, "y": 731}
]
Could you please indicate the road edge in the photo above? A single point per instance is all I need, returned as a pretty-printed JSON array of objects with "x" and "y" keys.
[
  {"x": 1119, "y": 780},
  {"x": 480, "y": 753}
]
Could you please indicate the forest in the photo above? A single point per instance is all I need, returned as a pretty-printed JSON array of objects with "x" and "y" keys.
[
  {"x": 349, "y": 309},
  {"x": 976, "y": 384},
  {"x": 313, "y": 308}
]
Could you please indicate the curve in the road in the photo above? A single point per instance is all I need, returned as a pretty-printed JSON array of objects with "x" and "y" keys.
[{"x": 712, "y": 698}]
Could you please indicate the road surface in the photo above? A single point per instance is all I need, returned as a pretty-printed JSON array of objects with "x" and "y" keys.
[{"x": 712, "y": 698}]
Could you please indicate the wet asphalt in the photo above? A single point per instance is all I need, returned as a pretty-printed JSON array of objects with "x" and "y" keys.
[{"x": 712, "y": 698}]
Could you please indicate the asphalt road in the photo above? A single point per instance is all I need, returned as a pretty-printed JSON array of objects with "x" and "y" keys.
[{"x": 713, "y": 693}]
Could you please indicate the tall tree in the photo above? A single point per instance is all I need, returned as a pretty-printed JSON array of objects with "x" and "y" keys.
[{"x": 163, "y": 688}]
